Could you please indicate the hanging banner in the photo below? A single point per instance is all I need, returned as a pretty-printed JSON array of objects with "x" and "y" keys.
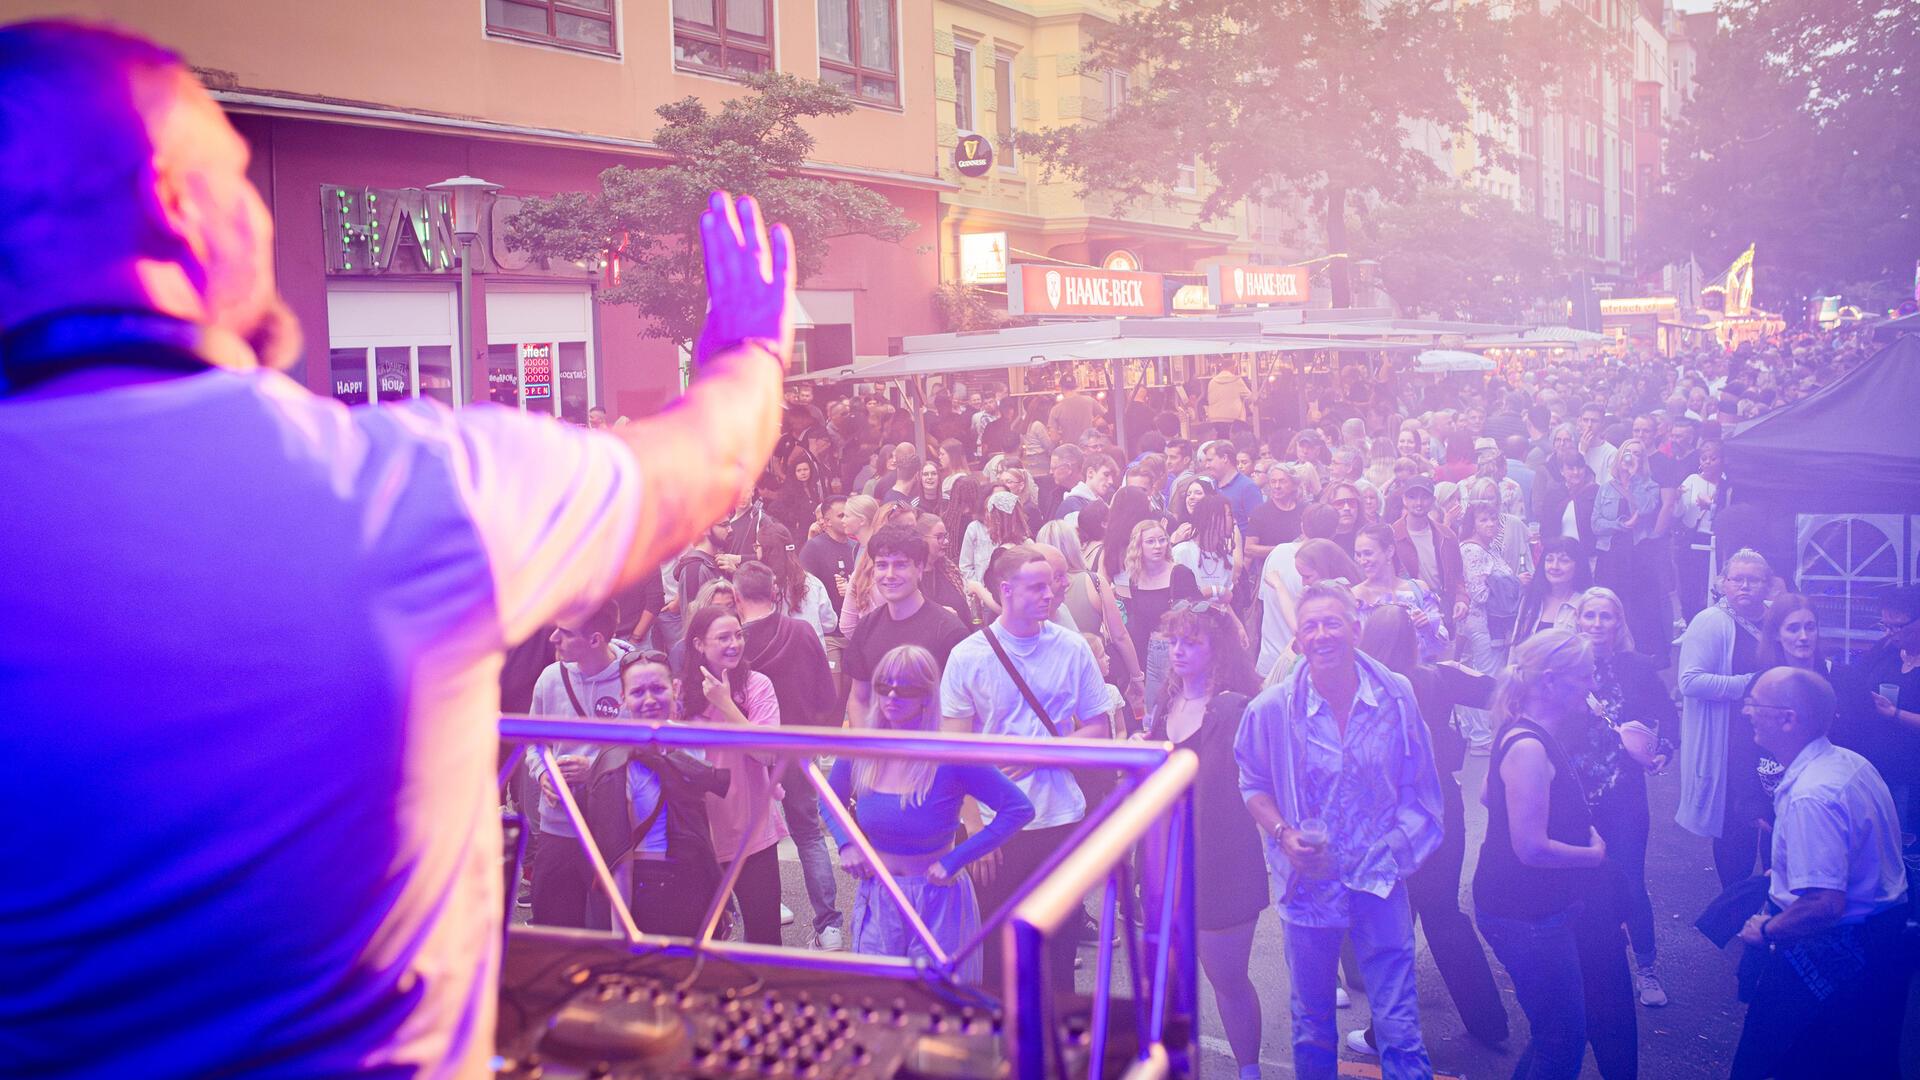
[
  {"x": 1035, "y": 289},
  {"x": 1242, "y": 284}
]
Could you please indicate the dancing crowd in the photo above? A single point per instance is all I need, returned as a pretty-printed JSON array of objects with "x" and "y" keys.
[{"x": 1336, "y": 589}]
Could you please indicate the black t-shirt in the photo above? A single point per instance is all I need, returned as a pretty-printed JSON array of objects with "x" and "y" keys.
[
  {"x": 823, "y": 556},
  {"x": 1669, "y": 471},
  {"x": 1269, "y": 525},
  {"x": 933, "y": 627}
]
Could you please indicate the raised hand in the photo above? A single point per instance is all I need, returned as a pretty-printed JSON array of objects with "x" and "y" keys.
[{"x": 749, "y": 280}]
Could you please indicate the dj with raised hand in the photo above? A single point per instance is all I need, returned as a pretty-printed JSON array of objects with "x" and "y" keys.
[{"x": 282, "y": 851}]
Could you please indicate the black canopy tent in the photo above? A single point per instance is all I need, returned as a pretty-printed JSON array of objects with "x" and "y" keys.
[
  {"x": 1829, "y": 490},
  {"x": 1853, "y": 447}
]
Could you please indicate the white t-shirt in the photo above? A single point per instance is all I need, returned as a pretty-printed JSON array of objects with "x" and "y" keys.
[
  {"x": 249, "y": 667},
  {"x": 1211, "y": 571},
  {"x": 1060, "y": 669},
  {"x": 816, "y": 609},
  {"x": 1275, "y": 636}
]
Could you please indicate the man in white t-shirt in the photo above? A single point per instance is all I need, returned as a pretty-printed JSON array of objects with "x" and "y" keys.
[
  {"x": 979, "y": 693},
  {"x": 1280, "y": 586},
  {"x": 271, "y": 841}
]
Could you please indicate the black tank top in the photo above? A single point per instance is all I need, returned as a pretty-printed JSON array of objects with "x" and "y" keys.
[{"x": 1504, "y": 886}]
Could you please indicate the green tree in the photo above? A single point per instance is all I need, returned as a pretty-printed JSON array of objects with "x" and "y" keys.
[
  {"x": 1451, "y": 252},
  {"x": 650, "y": 216},
  {"x": 1801, "y": 140},
  {"x": 1277, "y": 97}
]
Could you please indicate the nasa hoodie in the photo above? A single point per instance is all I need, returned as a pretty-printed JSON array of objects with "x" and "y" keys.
[{"x": 599, "y": 694}]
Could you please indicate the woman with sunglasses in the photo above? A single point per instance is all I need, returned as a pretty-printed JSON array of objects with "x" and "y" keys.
[
  {"x": 1209, "y": 682},
  {"x": 909, "y": 810}
]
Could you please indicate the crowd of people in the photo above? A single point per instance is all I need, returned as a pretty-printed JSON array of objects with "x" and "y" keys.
[
  {"x": 1414, "y": 573},
  {"x": 1333, "y": 589}
]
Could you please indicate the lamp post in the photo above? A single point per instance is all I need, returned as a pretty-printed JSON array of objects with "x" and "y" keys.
[{"x": 466, "y": 192}]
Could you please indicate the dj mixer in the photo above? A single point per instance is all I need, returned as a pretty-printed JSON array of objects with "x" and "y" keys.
[{"x": 574, "y": 1005}]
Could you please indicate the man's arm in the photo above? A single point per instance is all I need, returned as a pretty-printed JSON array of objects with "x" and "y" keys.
[
  {"x": 1811, "y": 912},
  {"x": 707, "y": 448}
]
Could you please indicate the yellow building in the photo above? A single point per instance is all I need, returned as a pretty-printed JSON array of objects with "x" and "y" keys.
[{"x": 1005, "y": 66}]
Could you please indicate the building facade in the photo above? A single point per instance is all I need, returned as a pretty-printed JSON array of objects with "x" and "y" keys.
[{"x": 354, "y": 108}]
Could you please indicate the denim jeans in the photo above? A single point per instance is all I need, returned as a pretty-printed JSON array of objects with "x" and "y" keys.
[
  {"x": 1544, "y": 961},
  {"x": 1382, "y": 931},
  {"x": 801, "y": 807}
]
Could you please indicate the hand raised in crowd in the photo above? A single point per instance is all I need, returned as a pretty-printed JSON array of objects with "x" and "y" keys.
[{"x": 749, "y": 280}]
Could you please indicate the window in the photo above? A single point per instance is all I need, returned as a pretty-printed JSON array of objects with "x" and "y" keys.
[
  {"x": 1003, "y": 108},
  {"x": 857, "y": 52},
  {"x": 572, "y": 24},
  {"x": 1188, "y": 177},
  {"x": 963, "y": 87},
  {"x": 726, "y": 37},
  {"x": 1117, "y": 85}
]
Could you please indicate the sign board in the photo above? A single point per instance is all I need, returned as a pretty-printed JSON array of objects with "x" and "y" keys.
[
  {"x": 1243, "y": 284},
  {"x": 983, "y": 258},
  {"x": 1639, "y": 305},
  {"x": 1122, "y": 260},
  {"x": 536, "y": 372},
  {"x": 1038, "y": 290},
  {"x": 972, "y": 155}
]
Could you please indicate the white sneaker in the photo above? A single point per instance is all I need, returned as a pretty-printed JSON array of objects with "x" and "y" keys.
[
  {"x": 831, "y": 939},
  {"x": 1340, "y": 998},
  {"x": 786, "y": 915},
  {"x": 1647, "y": 986},
  {"x": 1357, "y": 1042}
]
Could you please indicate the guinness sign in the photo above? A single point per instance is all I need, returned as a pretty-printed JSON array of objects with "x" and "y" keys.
[{"x": 972, "y": 155}]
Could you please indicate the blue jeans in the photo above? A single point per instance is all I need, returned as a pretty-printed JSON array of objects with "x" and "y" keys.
[
  {"x": 1382, "y": 931},
  {"x": 1543, "y": 958},
  {"x": 801, "y": 807}
]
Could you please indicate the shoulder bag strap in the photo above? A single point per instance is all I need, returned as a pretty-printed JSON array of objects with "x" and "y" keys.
[
  {"x": 1025, "y": 690},
  {"x": 566, "y": 680}
]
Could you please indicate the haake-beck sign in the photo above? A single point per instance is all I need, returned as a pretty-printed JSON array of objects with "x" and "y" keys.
[
  {"x": 1242, "y": 284},
  {"x": 1035, "y": 289},
  {"x": 972, "y": 155}
]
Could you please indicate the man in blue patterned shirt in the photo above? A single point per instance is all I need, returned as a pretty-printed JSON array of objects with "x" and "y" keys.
[{"x": 1341, "y": 741}]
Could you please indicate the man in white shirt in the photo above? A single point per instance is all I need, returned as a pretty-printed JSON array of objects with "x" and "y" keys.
[
  {"x": 980, "y": 692},
  {"x": 1593, "y": 441},
  {"x": 282, "y": 850},
  {"x": 1280, "y": 586},
  {"x": 1832, "y": 997}
]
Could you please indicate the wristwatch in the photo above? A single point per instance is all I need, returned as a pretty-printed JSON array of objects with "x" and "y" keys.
[
  {"x": 1279, "y": 831},
  {"x": 1766, "y": 938}
]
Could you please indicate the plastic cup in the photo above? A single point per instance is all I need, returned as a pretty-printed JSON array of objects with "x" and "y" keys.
[
  {"x": 1891, "y": 691},
  {"x": 1313, "y": 832}
]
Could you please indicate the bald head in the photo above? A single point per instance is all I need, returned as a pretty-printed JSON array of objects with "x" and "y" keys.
[{"x": 127, "y": 186}]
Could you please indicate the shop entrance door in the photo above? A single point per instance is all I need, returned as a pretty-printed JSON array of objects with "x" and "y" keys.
[{"x": 540, "y": 349}]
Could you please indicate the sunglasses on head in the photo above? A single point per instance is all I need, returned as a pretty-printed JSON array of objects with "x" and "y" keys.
[{"x": 1197, "y": 607}]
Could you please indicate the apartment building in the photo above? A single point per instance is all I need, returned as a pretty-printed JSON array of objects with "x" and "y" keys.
[
  {"x": 1005, "y": 66},
  {"x": 353, "y": 108}
]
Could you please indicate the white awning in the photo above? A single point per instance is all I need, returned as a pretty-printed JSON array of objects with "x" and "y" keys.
[
  {"x": 1448, "y": 361},
  {"x": 1008, "y": 355}
]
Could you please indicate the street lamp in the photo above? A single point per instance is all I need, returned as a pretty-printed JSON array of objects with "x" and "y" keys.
[{"x": 466, "y": 193}]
